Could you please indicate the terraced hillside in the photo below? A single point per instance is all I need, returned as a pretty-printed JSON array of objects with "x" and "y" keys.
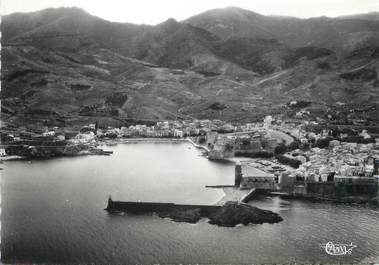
[{"x": 66, "y": 67}]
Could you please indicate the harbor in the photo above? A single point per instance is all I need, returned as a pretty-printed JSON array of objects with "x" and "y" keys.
[{"x": 73, "y": 192}]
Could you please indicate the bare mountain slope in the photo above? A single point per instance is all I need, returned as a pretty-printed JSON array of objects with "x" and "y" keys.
[
  {"x": 323, "y": 32},
  {"x": 65, "y": 66}
]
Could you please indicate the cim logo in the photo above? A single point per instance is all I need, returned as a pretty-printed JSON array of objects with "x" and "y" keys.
[{"x": 338, "y": 249}]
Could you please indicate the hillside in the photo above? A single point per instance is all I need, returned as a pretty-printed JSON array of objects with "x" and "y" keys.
[
  {"x": 348, "y": 33},
  {"x": 66, "y": 67},
  {"x": 368, "y": 16}
]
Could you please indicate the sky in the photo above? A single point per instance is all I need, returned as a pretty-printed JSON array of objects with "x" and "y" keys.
[{"x": 156, "y": 11}]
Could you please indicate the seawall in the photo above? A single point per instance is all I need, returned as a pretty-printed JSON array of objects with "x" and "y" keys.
[
  {"x": 157, "y": 207},
  {"x": 230, "y": 214}
]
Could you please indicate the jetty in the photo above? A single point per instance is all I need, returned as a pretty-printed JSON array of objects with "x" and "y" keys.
[
  {"x": 230, "y": 214},
  {"x": 157, "y": 207}
]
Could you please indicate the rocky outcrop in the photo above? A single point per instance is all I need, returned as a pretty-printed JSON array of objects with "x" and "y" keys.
[
  {"x": 53, "y": 149},
  {"x": 35, "y": 152},
  {"x": 233, "y": 213},
  {"x": 188, "y": 216}
]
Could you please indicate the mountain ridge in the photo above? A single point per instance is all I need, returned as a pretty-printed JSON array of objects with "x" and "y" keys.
[
  {"x": 322, "y": 31},
  {"x": 74, "y": 64}
]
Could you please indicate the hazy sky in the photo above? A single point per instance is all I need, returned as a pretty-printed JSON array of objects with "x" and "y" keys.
[{"x": 156, "y": 11}]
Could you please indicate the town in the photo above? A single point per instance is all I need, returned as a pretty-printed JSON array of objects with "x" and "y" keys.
[{"x": 285, "y": 156}]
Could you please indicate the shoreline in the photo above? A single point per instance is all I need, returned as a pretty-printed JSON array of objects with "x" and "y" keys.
[
  {"x": 153, "y": 140},
  {"x": 128, "y": 140},
  {"x": 352, "y": 200},
  {"x": 107, "y": 142}
]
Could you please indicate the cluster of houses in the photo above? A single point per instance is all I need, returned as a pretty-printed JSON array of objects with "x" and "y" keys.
[
  {"x": 169, "y": 129},
  {"x": 45, "y": 133},
  {"x": 345, "y": 159},
  {"x": 309, "y": 131},
  {"x": 340, "y": 171}
]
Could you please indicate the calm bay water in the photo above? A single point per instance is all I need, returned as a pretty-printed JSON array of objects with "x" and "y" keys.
[{"x": 52, "y": 212}]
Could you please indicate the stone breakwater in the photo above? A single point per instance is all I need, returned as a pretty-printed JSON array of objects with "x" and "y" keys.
[{"x": 230, "y": 214}]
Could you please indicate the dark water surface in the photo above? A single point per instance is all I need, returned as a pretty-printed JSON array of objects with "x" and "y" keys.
[{"x": 52, "y": 212}]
